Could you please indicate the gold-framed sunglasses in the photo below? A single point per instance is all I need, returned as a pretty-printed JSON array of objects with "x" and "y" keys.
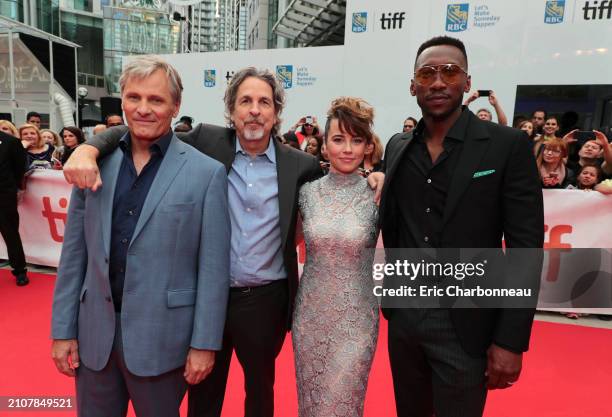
[{"x": 449, "y": 74}]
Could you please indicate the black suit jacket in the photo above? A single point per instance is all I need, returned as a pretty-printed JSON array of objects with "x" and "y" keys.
[
  {"x": 478, "y": 213},
  {"x": 13, "y": 163},
  {"x": 294, "y": 168}
]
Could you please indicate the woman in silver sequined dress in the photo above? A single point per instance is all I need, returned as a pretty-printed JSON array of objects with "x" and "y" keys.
[{"x": 335, "y": 324}]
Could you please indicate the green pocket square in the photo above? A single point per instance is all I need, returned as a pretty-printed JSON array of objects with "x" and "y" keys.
[{"x": 483, "y": 173}]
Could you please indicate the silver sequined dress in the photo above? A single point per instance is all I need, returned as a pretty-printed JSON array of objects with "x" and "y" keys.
[{"x": 335, "y": 323}]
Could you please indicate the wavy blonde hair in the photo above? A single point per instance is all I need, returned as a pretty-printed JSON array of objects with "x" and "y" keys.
[
  {"x": 40, "y": 141},
  {"x": 11, "y": 127},
  {"x": 57, "y": 141}
]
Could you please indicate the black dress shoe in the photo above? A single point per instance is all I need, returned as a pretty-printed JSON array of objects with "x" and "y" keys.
[{"x": 22, "y": 279}]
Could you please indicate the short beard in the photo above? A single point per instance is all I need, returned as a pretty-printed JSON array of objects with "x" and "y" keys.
[{"x": 256, "y": 134}]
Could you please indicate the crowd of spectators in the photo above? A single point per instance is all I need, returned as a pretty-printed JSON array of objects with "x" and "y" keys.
[
  {"x": 568, "y": 158},
  {"x": 47, "y": 149}
]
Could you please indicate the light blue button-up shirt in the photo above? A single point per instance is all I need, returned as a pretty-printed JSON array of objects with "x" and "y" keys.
[{"x": 256, "y": 255}]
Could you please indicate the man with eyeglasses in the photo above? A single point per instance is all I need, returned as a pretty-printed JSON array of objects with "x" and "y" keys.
[{"x": 456, "y": 181}]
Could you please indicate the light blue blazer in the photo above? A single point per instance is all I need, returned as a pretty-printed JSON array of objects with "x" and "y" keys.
[{"x": 177, "y": 272}]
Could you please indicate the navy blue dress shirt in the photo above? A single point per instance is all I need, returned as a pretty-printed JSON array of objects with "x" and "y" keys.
[{"x": 130, "y": 193}]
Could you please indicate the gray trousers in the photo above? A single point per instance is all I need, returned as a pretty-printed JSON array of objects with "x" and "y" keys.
[
  {"x": 106, "y": 393},
  {"x": 432, "y": 374}
]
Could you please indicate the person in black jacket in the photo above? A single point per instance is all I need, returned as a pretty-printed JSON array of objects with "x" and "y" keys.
[
  {"x": 13, "y": 160},
  {"x": 456, "y": 181}
]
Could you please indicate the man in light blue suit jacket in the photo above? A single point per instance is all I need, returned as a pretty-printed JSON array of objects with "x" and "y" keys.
[{"x": 141, "y": 293}]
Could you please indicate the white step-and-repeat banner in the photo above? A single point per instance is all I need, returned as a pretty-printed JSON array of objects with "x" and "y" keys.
[
  {"x": 574, "y": 219},
  {"x": 509, "y": 44}
]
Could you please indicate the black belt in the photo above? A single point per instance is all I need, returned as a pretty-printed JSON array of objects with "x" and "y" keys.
[{"x": 256, "y": 287}]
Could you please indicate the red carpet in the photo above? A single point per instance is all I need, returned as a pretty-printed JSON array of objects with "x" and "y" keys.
[{"x": 567, "y": 373}]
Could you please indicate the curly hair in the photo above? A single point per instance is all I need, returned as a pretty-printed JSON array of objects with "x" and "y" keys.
[{"x": 354, "y": 115}]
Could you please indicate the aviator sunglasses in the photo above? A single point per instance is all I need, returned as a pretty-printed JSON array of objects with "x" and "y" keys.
[{"x": 449, "y": 74}]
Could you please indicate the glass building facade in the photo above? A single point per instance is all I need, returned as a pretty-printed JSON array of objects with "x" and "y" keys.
[
  {"x": 42, "y": 14},
  {"x": 87, "y": 31},
  {"x": 135, "y": 32},
  {"x": 13, "y": 9}
]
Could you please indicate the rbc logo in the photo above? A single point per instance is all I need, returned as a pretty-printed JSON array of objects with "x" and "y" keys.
[
  {"x": 554, "y": 12},
  {"x": 210, "y": 78},
  {"x": 360, "y": 22},
  {"x": 457, "y": 17},
  {"x": 284, "y": 73}
]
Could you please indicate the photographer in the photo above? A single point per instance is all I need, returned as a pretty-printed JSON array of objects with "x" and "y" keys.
[
  {"x": 594, "y": 149},
  {"x": 305, "y": 127},
  {"x": 484, "y": 114}
]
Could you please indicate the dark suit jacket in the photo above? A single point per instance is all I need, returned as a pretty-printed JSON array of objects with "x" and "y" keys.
[
  {"x": 13, "y": 163},
  {"x": 478, "y": 213},
  {"x": 294, "y": 169}
]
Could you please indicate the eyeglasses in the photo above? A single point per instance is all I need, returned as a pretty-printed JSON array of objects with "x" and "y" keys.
[
  {"x": 553, "y": 151},
  {"x": 449, "y": 73}
]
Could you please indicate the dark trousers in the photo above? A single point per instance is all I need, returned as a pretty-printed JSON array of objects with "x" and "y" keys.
[
  {"x": 9, "y": 228},
  {"x": 432, "y": 373},
  {"x": 255, "y": 328},
  {"x": 106, "y": 393}
]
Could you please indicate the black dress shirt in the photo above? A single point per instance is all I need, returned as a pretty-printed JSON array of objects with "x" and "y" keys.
[
  {"x": 421, "y": 186},
  {"x": 130, "y": 193}
]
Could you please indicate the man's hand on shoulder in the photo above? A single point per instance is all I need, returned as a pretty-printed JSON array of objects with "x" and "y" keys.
[
  {"x": 376, "y": 180},
  {"x": 81, "y": 168},
  {"x": 199, "y": 364},
  {"x": 65, "y": 354},
  {"x": 503, "y": 367}
]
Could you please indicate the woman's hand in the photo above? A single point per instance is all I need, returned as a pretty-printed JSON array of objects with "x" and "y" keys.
[{"x": 550, "y": 181}]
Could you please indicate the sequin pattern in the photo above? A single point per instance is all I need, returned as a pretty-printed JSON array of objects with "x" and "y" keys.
[{"x": 335, "y": 325}]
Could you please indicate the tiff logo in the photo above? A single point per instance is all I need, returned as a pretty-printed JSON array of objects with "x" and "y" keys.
[
  {"x": 53, "y": 216},
  {"x": 599, "y": 10},
  {"x": 392, "y": 20},
  {"x": 555, "y": 247}
]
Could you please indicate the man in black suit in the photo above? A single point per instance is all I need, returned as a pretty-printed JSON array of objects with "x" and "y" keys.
[
  {"x": 264, "y": 177},
  {"x": 13, "y": 161},
  {"x": 457, "y": 182}
]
